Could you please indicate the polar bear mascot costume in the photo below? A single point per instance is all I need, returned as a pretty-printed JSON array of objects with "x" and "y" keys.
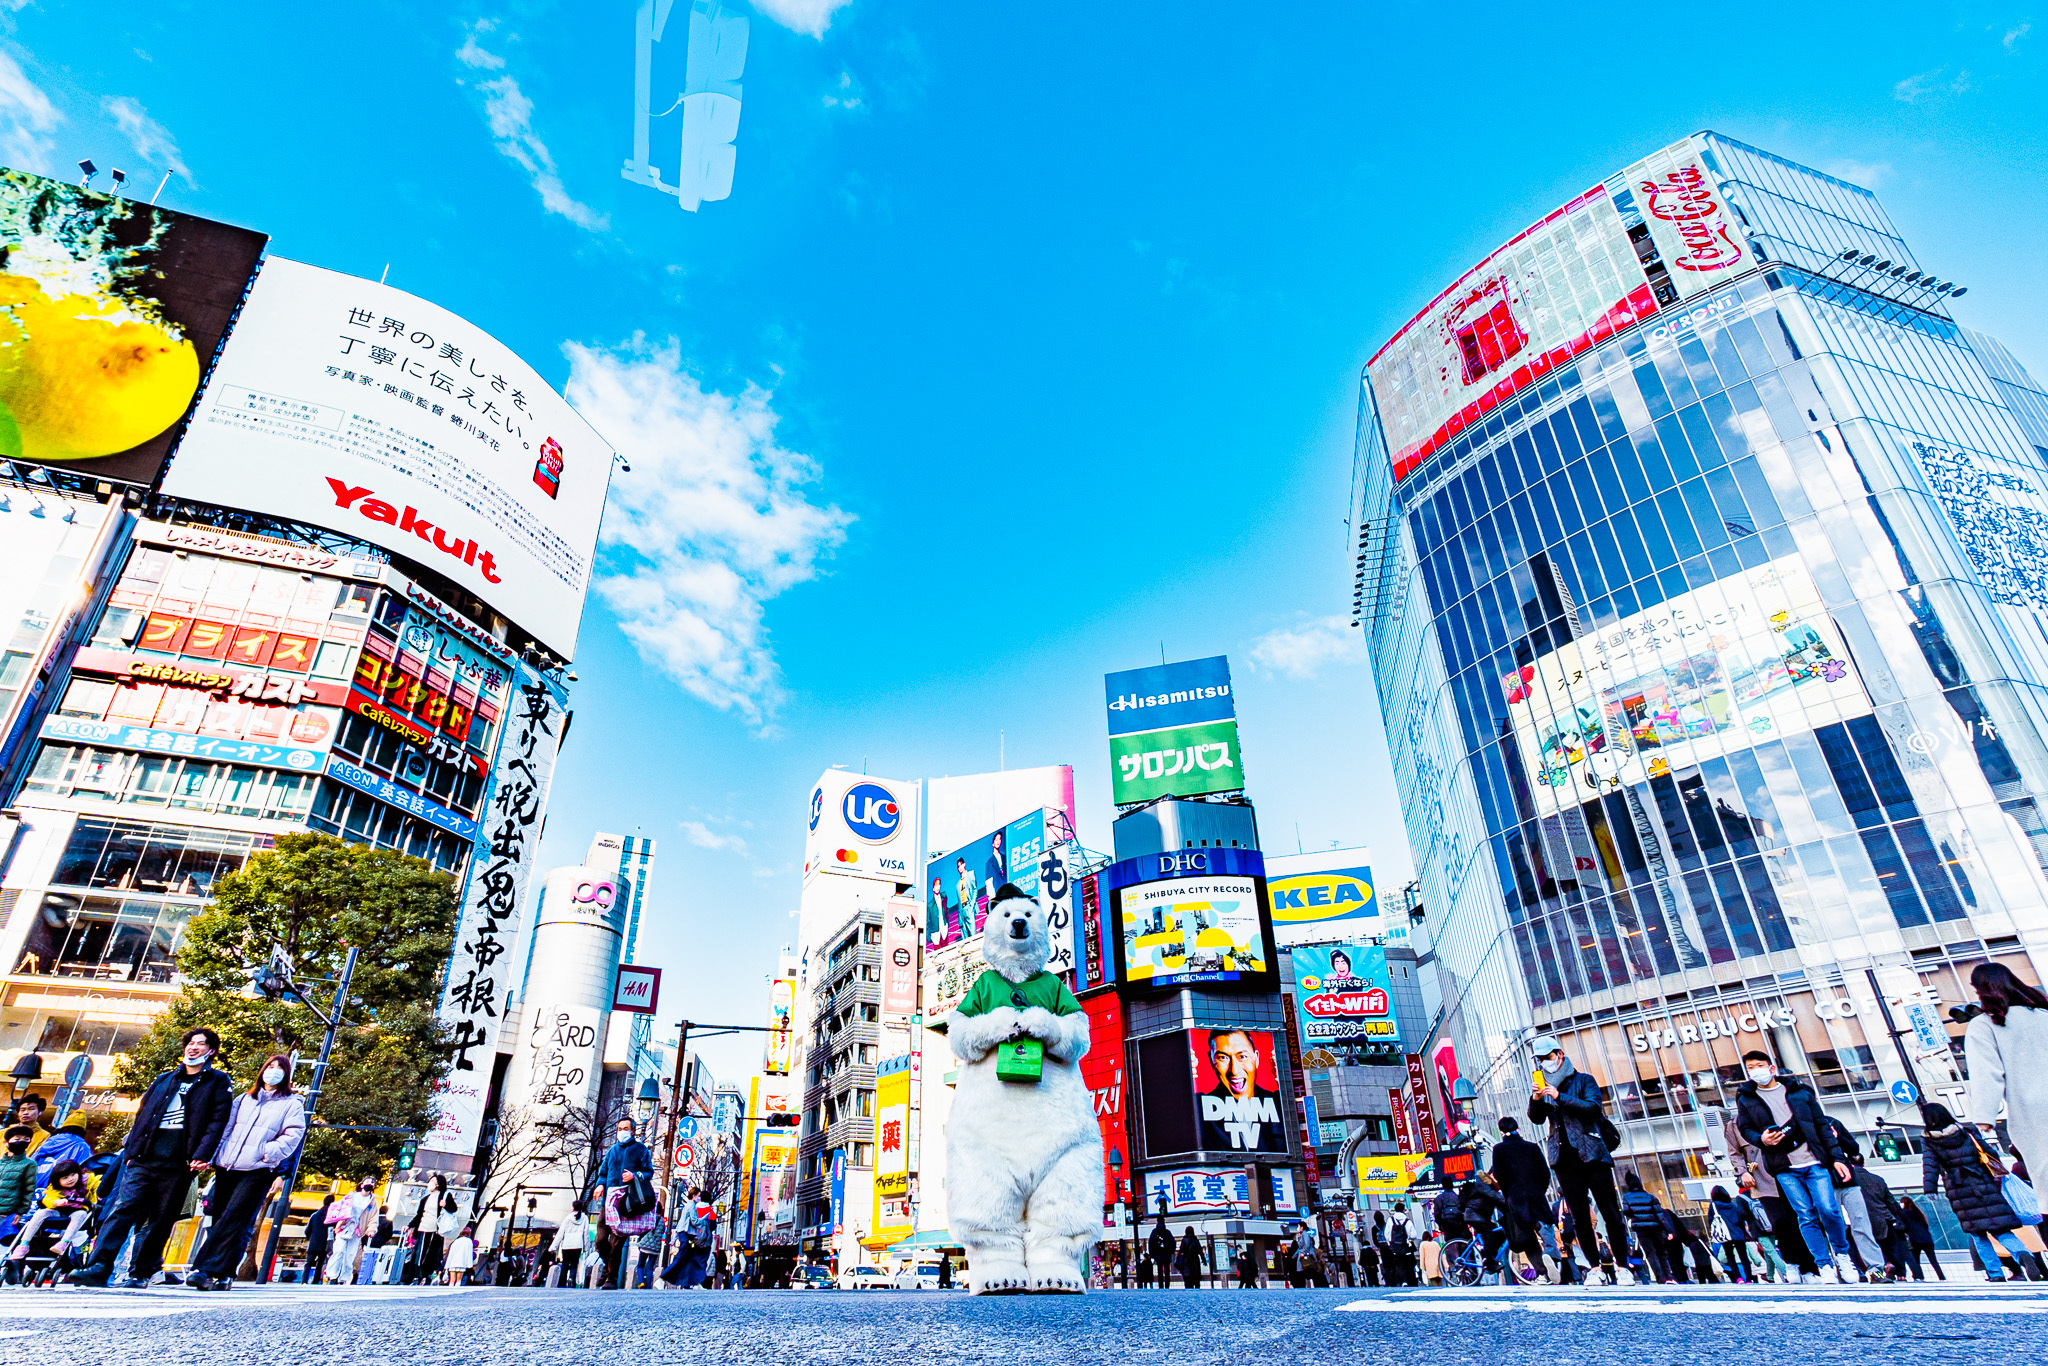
[{"x": 1023, "y": 1157}]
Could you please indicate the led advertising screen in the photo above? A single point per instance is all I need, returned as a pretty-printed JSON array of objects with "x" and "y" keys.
[
  {"x": 1237, "y": 1091},
  {"x": 350, "y": 405},
  {"x": 1194, "y": 929},
  {"x": 1557, "y": 289},
  {"x": 110, "y": 310},
  {"x": 960, "y": 885},
  {"x": 1343, "y": 999},
  {"x": 1748, "y": 658}
]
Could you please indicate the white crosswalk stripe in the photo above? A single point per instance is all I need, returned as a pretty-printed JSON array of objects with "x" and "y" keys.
[
  {"x": 64, "y": 1303},
  {"x": 1983, "y": 1300}
]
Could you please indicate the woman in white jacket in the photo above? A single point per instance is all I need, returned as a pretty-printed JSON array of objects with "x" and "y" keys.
[
  {"x": 2007, "y": 1049},
  {"x": 264, "y": 1130}
]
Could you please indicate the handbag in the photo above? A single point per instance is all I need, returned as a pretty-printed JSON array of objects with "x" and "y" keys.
[
  {"x": 636, "y": 1196},
  {"x": 2025, "y": 1202}
]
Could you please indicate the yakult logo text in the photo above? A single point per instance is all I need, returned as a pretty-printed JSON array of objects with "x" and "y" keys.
[
  {"x": 346, "y": 495},
  {"x": 1685, "y": 199}
]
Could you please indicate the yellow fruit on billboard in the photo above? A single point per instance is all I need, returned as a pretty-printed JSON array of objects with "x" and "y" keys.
[{"x": 85, "y": 375}]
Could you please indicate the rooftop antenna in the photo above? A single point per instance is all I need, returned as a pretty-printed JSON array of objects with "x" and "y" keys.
[
  {"x": 1002, "y": 753},
  {"x": 120, "y": 179},
  {"x": 386, "y": 275},
  {"x": 1162, "y": 653},
  {"x": 160, "y": 187},
  {"x": 88, "y": 171}
]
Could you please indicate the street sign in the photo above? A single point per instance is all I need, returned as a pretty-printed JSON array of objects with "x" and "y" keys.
[
  {"x": 686, "y": 1156},
  {"x": 78, "y": 1072},
  {"x": 1904, "y": 1092}
]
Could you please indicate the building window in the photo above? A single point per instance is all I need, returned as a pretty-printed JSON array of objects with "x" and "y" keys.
[
  {"x": 169, "y": 781},
  {"x": 105, "y": 938}
]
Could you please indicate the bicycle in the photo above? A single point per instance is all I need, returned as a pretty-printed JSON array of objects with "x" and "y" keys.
[{"x": 1464, "y": 1264}]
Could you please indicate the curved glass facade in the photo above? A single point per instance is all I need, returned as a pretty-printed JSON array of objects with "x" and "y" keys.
[{"x": 1705, "y": 597}]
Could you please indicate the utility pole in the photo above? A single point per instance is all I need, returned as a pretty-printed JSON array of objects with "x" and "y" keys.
[{"x": 332, "y": 1019}]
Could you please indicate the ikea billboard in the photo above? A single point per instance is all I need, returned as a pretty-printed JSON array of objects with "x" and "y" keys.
[{"x": 1319, "y": 898}]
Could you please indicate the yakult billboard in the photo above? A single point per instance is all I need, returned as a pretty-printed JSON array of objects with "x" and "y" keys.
[{"x": 350, "y": 405}]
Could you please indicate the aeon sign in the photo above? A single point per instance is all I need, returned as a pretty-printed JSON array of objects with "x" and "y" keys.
[{"x": 870, "y": 812}]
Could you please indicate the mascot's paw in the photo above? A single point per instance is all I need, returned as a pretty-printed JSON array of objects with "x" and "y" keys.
[
  {"x": 1002, "y": 1278},
  {"x": 972, "y": 1036},
  {"x": 1058, "y": 1283}
]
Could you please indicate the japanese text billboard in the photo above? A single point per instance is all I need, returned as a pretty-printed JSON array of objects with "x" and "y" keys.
[
  {"x": 1557, "y": 289},
  {"x": 493, "y": 893},
  {"x": 1173, "y": 731},
  {"x": 1343, "y": 998},
  {"x": 110, "y": 310},
  {"x": 1197, "y": 1190},
  {"x": 892, "y": 1126},
  {"x": 1751, "y": 657},
  {"x": 350, "y": 405}
]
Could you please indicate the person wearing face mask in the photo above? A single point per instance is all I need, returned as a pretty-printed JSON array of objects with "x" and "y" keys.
[
  {"x": 1782, "y": 1116},
  {"x": 17, "y": 1178},
  {"x": 627, "y": 1165},
  {"x": 176, "y": 1130},
  {"x": 1581, "y": 1153},
  {"x": 264, "y": 1129}
]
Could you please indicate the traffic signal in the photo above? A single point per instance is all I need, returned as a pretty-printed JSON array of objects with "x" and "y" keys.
[{"x": 1889, "y": 1149}]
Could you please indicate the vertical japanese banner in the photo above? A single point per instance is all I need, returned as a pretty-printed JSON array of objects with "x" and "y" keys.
[
  {"x": 1425, "y": 1113},
  {"x": 1056, "y": 899},
  {"x": 902, "y": 927},
  {"x": 1403, "y": 1134},
  {"x": 492, "y": 892}
]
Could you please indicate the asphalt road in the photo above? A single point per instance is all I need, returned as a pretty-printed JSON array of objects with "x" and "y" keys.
[{"x": 1486, "y": 1327}]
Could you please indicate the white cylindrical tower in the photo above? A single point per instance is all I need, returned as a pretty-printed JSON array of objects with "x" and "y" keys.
[{"x": 576, "y": 945}]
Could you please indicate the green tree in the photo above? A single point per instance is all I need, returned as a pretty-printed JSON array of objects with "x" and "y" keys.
[{"x": 315, "y": 895}]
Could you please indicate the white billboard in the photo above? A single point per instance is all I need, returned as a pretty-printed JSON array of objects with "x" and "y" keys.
[
  {"x": 1747, "y": 659},
  {"x": 1557, "y": 289},
  {"x": 862, "y": 827},
  {"x": 353, "y": 406},
  {"x": 1697, "y": 236}
]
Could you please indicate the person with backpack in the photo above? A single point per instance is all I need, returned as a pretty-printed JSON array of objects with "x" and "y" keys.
[
  {"x": 1450, "y": 1219},
  {"x": 1783, "y": 1118},
  {"x": 1887, "y": 1221},
  {"x": 1580, "y": 1147},
  {"x": 1159, "y": 1250},
  {"x": 1763, "y": 1228},
  {"x": 1190, "y": 1260},
  {"x": 1523, "y": 1175},
  {"x": 1955, "y": 1157},
  {"x": 1645, "y": 1212},
  {"x": 1919, "y": 1239},
  {"x": 1729, "y": 1224}
]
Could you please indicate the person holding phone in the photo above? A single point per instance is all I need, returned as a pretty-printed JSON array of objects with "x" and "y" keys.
[{"x": 1782, "y": 1116}]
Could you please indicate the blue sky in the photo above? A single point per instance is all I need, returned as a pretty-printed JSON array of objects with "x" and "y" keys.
[{"x": 1026, "y": 344}]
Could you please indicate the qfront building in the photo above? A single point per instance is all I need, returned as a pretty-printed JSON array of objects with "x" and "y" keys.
[{"x": 1703, "y": 567}]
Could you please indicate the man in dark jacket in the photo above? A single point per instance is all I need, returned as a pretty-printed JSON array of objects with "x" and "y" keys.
[
  {"x": 626, "y": 1159},
  {"x": 1569, "y": 1101},
  {"x": 1190, "y": 1261},
  {"x": 177, "y": 1127},
  {"x": 1523, "y": 1174},
  {"x": 1782, "y": 1116},
  {"x": 1160, "y": 1248}
]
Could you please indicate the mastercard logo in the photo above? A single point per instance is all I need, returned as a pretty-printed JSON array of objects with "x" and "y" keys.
[{"x": 849, "y": 856}]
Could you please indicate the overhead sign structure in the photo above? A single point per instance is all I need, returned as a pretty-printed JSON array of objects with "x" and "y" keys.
[
  {"x": 110, "y": 312},
  {"x": 1173, "y": 731},
  {"x": 350, "y": 405},
  {"x": 637, "y": 989}
]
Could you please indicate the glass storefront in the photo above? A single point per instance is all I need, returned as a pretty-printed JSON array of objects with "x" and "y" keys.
[{"x": 1704, "y": 686}]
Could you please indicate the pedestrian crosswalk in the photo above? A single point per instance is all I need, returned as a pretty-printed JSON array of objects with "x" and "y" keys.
[
  {"x": 62, "y": 1302},
  {"x": 1661, "y": 1301}
]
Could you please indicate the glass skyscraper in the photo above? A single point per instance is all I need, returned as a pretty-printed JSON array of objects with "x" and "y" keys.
[{"x": 1703, "y": 560}]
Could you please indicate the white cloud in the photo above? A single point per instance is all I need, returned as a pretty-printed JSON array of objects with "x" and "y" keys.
[
  {"x": 2013, "y": 35},
  {"x": 704, "y": 837},
  {"x": 1868, "y": 174},
  {"x": 1302, "y": 651},
  {"x": 509, "y": 113},
  {"x": 710, "y": 524},
  {"x": 26, "y": 120},
  {"x": 150, "y": 139},
  {"x": 1935, "y": 82},
  {"x": 846, "y": 95},
  {"x": 804, "y": 16}
]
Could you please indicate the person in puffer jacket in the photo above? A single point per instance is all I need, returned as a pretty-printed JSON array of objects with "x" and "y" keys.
[
  {"x": 1954, "y": 1156},
  {"x": 1645, "y": 1216}
]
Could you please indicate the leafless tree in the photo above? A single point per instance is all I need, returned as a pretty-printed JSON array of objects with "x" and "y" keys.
[{"x": 511, "y": 1160}]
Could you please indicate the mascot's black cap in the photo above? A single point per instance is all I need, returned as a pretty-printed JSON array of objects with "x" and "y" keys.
[{"x": 1008, "y": 890}]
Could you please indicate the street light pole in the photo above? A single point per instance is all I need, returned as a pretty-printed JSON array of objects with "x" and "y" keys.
[{"x": 332, "y": 1019}]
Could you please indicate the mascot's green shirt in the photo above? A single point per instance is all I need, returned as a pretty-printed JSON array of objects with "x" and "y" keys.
[{"x": 992, "y": 989}]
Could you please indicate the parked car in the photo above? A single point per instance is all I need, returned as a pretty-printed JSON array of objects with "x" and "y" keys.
[
  {"x": 811, "y": 1278},
  {"x": 917, "y": 1276},
  {"x": 863, "y": 1278}
]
